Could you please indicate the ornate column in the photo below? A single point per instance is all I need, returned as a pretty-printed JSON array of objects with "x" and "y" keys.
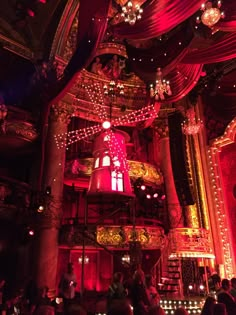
[
  {"x": 174, "y": 208},
  {"x": 48, "y": 220}
]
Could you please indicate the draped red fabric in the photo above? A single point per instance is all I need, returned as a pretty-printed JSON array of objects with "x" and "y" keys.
[
  {"x": 182, "y": 80},
  {"x": 158, "y": 18},
  {"x": 228, "y": 24},
  {"x": 92, "y": 26},
  {"x": 222, "y": 50},
  {"x": 164, "y": 54}
]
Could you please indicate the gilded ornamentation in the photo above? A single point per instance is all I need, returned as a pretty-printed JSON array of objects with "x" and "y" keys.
[
  {"x": 148, "y": 172},
  {"x": 218, "y": 197},
  {"x": 162, "y": 129},
  {"x": 21, "y": 129},
  {"x": 62, "y": 112},
  {"x": 190, "y": 242},
  {"x": 116, "y": 236},
  {"x": 71, "y": 41}
]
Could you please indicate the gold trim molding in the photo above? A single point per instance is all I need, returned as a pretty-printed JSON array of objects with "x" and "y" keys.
[
  {"x": 121, "y": 236},
  {"x": 137, "y": 169},
  {"x": 190, "y": 243},
  {"x": 218, "y": 197}
]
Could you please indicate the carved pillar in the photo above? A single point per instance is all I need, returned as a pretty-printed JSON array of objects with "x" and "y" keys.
[
  {"x": 174, "y": 208},
  {"x": 48, "y": 221}
]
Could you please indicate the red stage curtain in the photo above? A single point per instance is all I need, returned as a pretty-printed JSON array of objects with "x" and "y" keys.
[
  {"x": 158, "y": 18},
  {"x": 222, "y": 50}
]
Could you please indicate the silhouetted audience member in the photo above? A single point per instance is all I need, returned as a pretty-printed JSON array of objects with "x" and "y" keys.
[
  {"x": 139, "y": 296},
  {"x": 31, "y": 293},
  {"x": 214, "y": 283},
  {"x": 208, "y": 306},
  {"x": 116, "y": 291},
  {"x": 219, "y": 309},
  {"x": 13, "y": 306},
  {"x": 156, "y": 310},
  {"x": 41, "y": 302},
  {"x": 118, "y": 308},
  {"x": 226, "y": 298},
  {"x": 67, "y": 286},
  {"x": 233, "y": 287},
  {"x": 181, "y": 311},
  {"x": 153, "y": 295}
]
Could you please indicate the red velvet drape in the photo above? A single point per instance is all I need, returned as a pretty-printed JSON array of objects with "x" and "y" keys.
[
  {"x": 183, "y": 79},
  {"x": 221, "y": 50},
  {"x": 92, "y": 26},
  {"x": 228, "y": 24},
  {"x": 158, "y": 18},
  {"x": 165, "y": 54}
]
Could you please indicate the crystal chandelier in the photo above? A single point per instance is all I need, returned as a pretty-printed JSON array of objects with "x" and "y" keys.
[
  {"x": 161, "y": 87},
  {"x": 191, "y": 125},
  {"x": 113, "y": 88},
  {"x": 211, "y": 15},
  {"x": 131, "y": 13}
]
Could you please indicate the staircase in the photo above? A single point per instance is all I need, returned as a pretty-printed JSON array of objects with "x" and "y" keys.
[{"x": 170, "y": 282}]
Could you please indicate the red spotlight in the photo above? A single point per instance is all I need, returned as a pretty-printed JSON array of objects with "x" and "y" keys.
[
  {"x": 163, "y": 197},
  {"x": 42, "y": 1},
  {"x": 155, "y": 195},
  {"x": 30, "y": 12}
]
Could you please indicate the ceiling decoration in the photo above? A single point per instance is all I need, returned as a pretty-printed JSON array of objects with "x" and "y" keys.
[{"x": 165, "y": 37}]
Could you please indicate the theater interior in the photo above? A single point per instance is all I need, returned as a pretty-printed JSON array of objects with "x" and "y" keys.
[{"x": 117, "y": 143}]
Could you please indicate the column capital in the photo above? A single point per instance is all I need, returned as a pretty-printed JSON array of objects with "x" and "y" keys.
[
  {"x": 161, "y": 128},
  {"x": 62, "y": 112}
]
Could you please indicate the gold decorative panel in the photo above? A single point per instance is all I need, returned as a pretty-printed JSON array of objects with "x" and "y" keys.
[
  {"x": 190, "y": 242},
  {"x": 83, "y": 167},
  {"x": 117, "y": 236}
]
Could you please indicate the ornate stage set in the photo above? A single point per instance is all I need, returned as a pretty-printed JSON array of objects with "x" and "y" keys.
[{"x": 133, "y": 168}]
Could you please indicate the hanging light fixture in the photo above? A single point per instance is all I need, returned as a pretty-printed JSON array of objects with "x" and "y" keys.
[
  {"x": 191, "y": 125},
  {"x": 113, "y": 89},
  {"x": 125, "y": 258},
  {"x": 160, "y": 88},
  {"x": 86, "y": 260},
  {"x": 131, "y": 13},
  {"x": 211, "y": 15}
]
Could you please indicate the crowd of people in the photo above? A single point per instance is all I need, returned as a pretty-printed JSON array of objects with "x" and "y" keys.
[
  {"x": 222, "y": 300},
  {"x": 135, "y": 296}
]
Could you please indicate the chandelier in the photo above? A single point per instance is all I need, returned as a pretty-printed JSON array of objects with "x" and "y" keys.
[
  {"x": 211, "y": 15},
  {"x": 191, "y": 125},
  {"x": 131, "y": 13},
  {"x": 161, "y": 87},
  {"x": 113, "y": 88}
]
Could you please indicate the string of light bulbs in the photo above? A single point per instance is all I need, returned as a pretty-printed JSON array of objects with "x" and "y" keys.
[{"x": 65, "y": 139}]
